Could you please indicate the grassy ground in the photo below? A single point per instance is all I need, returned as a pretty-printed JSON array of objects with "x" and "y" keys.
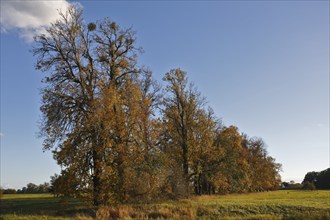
[
  {"x": 39, "y": 206},
  {"x": 284, "y": 204}
]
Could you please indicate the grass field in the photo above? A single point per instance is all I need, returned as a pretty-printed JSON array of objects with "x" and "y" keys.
[{"x": 284, "y": 204}]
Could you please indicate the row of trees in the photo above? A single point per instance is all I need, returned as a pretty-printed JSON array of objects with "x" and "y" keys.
[
  {"x": 120, "y": 137},
  {"x": 28, "y": 189}
]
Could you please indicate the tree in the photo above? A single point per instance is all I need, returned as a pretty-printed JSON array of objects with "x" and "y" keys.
[
  {"x": 182, "y": 107},
  {"x": 234, "y": 165},
  {"x": 310, "y": 177},
  {"x": 93, "y": 102},
  {"x": 323, "y": 179},
  {"x": 31, "y": 188},
  {"x": 55, "y": 188},
  {"x": 205, "y": 155},
  {"x": 65, "y": 185},
  {"x": 263, "y": 171}
]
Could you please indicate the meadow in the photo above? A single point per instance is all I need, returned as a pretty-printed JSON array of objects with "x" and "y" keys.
[{"x": 282, "y": 204}]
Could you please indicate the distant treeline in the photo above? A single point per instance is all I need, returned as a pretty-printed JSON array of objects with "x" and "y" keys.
[
  {"x": 313, "y": 180},
  {"x": 29, "y": 189}
]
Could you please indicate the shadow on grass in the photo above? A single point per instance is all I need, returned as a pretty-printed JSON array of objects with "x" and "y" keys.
[{"x": 44, "y": 206}]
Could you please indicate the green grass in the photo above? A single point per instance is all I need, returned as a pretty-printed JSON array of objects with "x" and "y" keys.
[
  {"x": 39, "y": 206},
  {"x": 280, "y": 204},
  {"x": 316, "y": 199},
  {"x": 283, "y": 204}
]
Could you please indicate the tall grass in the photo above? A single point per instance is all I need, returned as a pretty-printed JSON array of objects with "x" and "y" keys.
[{"x": 287, "y": 205}]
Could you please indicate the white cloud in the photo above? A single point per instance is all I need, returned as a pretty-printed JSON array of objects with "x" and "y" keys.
[
  {"x": 2, "y": 134},
  {"x": 29, "y": 17}
]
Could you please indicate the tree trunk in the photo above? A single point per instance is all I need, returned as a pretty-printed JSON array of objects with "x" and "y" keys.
[
  {"x": 96, "y": 180},
  {"x": 185, "y": 166},
  {"x": 184, "y": 147}
]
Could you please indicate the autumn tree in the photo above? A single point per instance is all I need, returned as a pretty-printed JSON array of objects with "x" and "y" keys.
[
  {"x": 176, "y": 120},
  {"x": 204, "y": 153},
  {"x": 234, "y": 167},
  {"x": 95, "y": 104},
  {"x": 264, "y": 171},
  {"x": 188, "y": 129},
  {"x": 65, "y": 185},
  {"x": 242, "y": 163}
]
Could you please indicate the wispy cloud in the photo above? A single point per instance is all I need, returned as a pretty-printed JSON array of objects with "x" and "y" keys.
[
  {"x": 29, "y": 17},
  {"x": 2, "y": 134}
]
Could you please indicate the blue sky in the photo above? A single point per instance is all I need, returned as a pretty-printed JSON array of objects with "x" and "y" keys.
[{"x": 263, "y": 66}]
